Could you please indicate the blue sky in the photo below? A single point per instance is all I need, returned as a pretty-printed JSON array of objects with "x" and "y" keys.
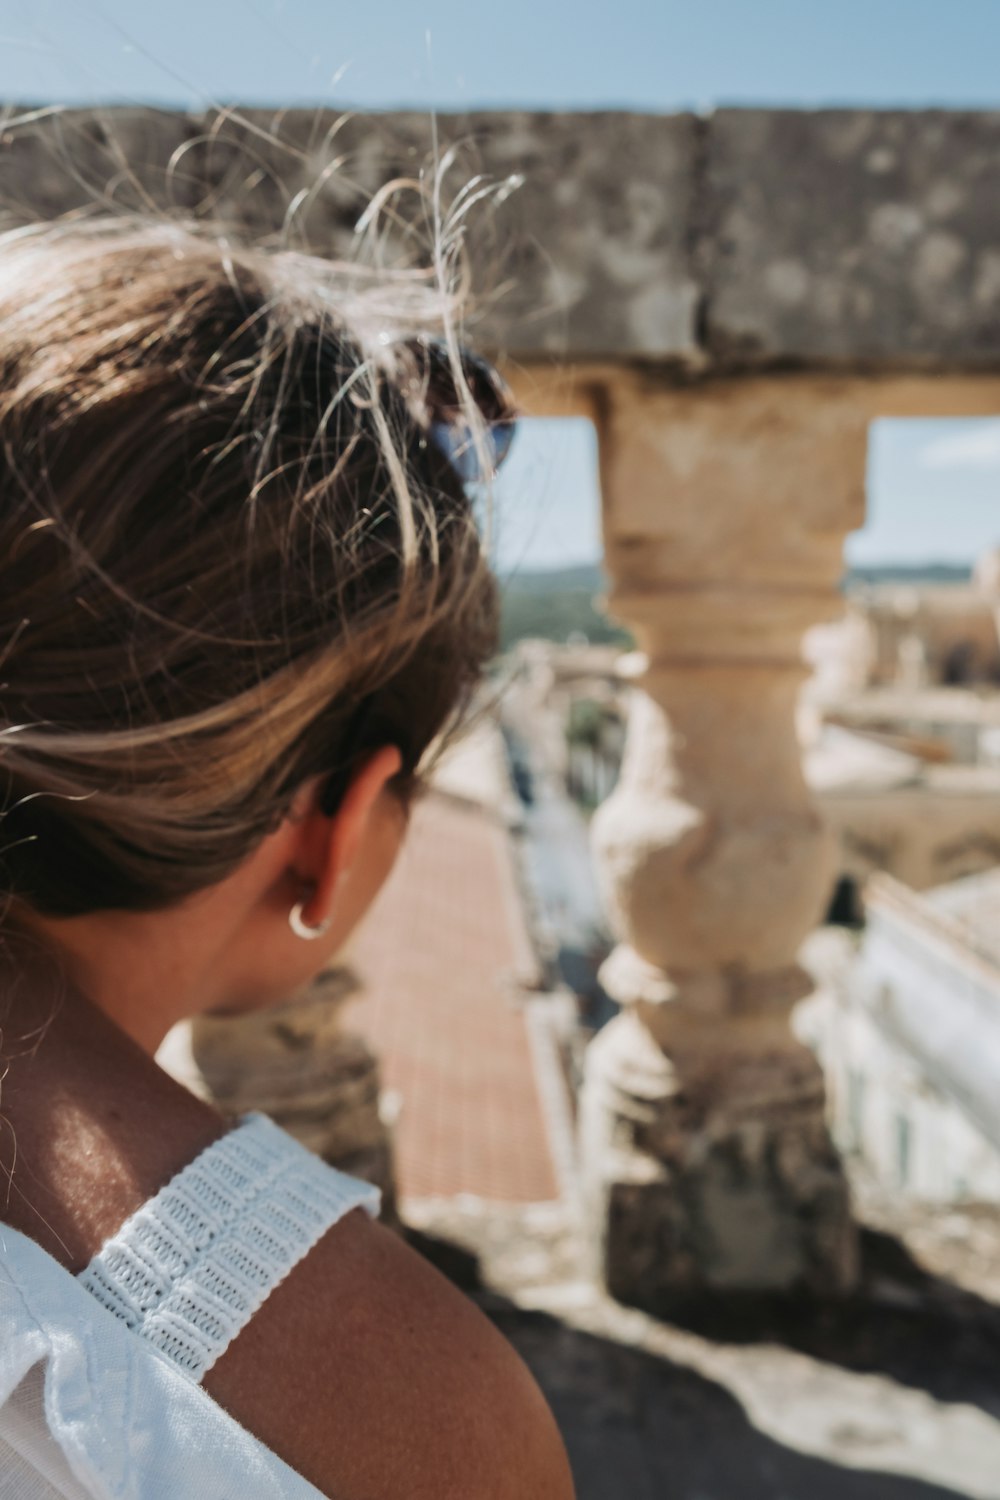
[
  {"x": 547, "y": 501},
  {"x": 934, "y": 489},
  {"x": 933, "y": 494},
  {"x": 640, "y": 54}
]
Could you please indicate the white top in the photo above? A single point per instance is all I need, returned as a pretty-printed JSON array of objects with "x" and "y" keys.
[{"x": 99, "y": 1393}]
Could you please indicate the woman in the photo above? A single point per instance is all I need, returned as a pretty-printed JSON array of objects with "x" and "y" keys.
[{"x": 243, "y": 593}]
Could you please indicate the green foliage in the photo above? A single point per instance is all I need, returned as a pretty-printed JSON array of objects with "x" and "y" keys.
[
  {"x": 586, "y": 722},
  {"x": 556, "y": 604},
  {"x": 907, "y": 573}
]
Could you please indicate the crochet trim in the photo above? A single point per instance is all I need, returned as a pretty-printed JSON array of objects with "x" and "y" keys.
[{"x": 190, "y": 1268}]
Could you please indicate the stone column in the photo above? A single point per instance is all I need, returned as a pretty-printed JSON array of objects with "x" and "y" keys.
[
  {"x": 296, "y": 1063},
  {"x": 706, "y": 1159}
]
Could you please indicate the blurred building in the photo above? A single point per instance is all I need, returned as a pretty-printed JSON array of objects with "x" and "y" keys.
[
  {"x": 567, "y": 701},
  {"x": 900, "y": 724},
  {"x": 911, "y": 635},
  {"x": 908, "y": 1032}
]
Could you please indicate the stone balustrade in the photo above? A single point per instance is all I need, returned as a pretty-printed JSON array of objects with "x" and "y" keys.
[
  {"x": 726, "y": 500},
  {"x": 707, "y": 1160}
]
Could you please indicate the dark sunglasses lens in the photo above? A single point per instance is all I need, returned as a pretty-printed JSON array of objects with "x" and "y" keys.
[
  {"x": 466, "y": 455},
  {"x": 483, "y": 381},
  {"x": 502, "y": 435}
]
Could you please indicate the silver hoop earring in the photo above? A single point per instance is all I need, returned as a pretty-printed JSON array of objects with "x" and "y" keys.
[{"x": 303, "y": 929}]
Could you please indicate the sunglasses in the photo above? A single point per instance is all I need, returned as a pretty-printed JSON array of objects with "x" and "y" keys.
[{"x": 475, "y": 454}]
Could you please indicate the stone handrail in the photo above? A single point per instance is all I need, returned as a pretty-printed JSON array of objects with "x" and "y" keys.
[{"x": 743, "y": 239}]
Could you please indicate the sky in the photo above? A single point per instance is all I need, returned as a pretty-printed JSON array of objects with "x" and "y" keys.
[
  {"x": 933, "y": 492},
  {"x": 934, "y": 489},
  {"x": 636, "y": 54}
]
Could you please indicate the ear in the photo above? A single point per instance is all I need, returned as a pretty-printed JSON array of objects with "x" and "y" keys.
[{"x": 328, "y": 846}]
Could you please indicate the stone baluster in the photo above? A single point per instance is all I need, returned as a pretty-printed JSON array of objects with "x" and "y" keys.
[
  {"x": 298, "y": 1064},
  {"x": 706, "y": 1160},
  {"x": 986, "y": 579}
]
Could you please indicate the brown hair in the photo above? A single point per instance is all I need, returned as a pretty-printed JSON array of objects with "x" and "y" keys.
[{"x": 233, "y": 556}]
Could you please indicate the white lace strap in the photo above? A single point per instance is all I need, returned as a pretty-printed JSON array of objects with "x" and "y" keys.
[{"x": 190, "y": 1268}]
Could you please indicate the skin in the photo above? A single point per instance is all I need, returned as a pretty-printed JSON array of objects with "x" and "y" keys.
[{"x": 365, "y": 1370}]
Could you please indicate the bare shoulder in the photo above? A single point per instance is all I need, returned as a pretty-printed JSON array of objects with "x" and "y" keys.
[{"x": 374, "y": 1378}]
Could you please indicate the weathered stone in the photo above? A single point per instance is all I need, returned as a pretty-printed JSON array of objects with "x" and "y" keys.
[
  {"x": 852, "y": 235},
  {"x": 122, "y": 160},
  {"x": 295, "y": 1063},
  {"x": 748, "y": 237},
  {"x": 710, "y": 1171},
  {"x": 705, "y": 1158},
  {"x": 583, "y": 255}
]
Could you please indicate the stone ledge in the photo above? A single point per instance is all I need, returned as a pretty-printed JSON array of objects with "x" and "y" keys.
[
  {"x": 745, "y": 239},
  {"x": 853, "y": 235}
]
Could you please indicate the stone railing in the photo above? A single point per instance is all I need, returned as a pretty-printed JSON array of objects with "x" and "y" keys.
[{"x": 732, "y": 300}]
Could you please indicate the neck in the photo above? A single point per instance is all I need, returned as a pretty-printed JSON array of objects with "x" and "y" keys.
[
  {"x": 144, "y": 970},
  {"x": 89, "y": 1125}
]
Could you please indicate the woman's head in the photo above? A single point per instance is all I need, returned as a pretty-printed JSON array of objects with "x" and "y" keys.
[{"x": 235, "y": 557}]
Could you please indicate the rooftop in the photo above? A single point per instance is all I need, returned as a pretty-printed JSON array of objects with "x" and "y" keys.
[
  {"x": 447, "y": 967},
  {"x": 889, "y": 1395}
]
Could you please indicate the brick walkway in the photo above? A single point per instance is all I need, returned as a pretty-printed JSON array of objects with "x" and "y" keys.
[{"x": 440, "y": 958}]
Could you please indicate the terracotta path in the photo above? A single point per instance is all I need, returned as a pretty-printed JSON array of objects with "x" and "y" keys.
[{"x": 441, "y": 956}]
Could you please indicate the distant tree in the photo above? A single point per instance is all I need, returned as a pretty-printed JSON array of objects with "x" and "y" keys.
[
  {"x": 586, "y": 723},
  {"x": 556, "y": 605}
]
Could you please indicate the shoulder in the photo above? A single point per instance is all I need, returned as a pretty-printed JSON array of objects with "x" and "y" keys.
[{"x": 372, "y": 1376}]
